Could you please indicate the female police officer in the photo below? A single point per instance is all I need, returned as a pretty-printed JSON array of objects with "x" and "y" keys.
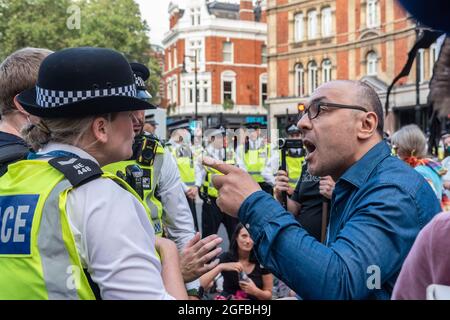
[{"x": 66, "y": 227}]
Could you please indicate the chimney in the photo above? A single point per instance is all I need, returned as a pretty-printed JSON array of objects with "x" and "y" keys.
[{"x": 246, "y": 10}]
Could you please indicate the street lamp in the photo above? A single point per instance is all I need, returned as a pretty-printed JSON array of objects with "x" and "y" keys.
[{"x": 195, "y": 78}]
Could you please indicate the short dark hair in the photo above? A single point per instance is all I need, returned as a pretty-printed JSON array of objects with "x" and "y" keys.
[{"x": 369, "y": 98}]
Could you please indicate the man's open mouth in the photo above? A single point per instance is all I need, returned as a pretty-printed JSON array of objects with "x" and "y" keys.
[{"x": 310, "y": 148}]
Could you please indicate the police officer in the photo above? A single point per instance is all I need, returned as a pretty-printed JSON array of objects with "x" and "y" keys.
[
  {"x": 212, "y": 217},
  {"x": 68, "y": 227},
  {"x": 181, "y": 148},
  {"x": 253, "y": 154},
  {"x": 153, "y": 173},
  {"x": 294, "y": 160}
]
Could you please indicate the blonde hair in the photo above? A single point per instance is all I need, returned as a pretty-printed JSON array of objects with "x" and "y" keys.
[
  {"x": 410, "y": 141},
  {"x": 19, "y": 72},
  {"x": 61, "y": 130}
]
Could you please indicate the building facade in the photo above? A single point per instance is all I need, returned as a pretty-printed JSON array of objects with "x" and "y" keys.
[
  {"x": 311, "y": 42},
  {"x": 216, "y": 52}
]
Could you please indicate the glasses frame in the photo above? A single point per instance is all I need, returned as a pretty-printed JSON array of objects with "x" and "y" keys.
[{"x": 331, "y": 105}]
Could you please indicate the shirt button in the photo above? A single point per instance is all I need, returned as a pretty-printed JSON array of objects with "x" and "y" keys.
[{"x": 247, "y": 226}]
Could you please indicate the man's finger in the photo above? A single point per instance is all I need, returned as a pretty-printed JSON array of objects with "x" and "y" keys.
[
  {"x": 204, "y": 241},
  {"x": 218, "y": 181},
  {"x": 219, "y": 165}
]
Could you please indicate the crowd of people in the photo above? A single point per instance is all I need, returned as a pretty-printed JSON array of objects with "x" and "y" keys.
[{"x": 89, "y": 193}]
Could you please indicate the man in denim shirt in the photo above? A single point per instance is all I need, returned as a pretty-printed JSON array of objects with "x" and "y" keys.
[{"x": 378, "y": 206}]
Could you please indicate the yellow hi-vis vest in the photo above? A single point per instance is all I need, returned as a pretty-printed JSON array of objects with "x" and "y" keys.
[
  {"x": 38, "y": 255},
  {"x": 152, "y": 173},
  {"x": 186, "y": 167},
  {"x": 208, "y": 184},
  {"x": 294, "y": 168},
  {"x": 255, "y": 161}
]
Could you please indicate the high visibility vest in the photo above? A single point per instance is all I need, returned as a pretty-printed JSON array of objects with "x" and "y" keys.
[
  {"x": 38, "y": 255},
  {"x": 186, "y": 167},
  {"x": 208, "y": 184},
  {"x": 255, "y": 161},
  {"x": 151, "y": 178},
  {"x": 294, "y": 168}
]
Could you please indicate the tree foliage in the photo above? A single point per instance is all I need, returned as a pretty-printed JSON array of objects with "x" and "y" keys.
[{"x": 115, "y": 24}]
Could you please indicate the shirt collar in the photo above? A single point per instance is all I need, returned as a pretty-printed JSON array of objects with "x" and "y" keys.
[
  {"x": 359, "y": 172},
  {"x": 53, "y": 146}
]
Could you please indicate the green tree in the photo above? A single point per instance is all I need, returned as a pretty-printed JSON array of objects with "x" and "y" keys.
[{"x": 115, "y": 24}]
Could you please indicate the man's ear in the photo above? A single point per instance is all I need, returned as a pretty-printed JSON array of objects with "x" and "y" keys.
[
  {"x": 101, "y": 129},
  {"x": 19, "y": 106},
  {"x": 369, "y": 124}
]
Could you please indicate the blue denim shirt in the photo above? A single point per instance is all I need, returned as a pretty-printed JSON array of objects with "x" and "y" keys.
[{"x": 378, "y": 207}]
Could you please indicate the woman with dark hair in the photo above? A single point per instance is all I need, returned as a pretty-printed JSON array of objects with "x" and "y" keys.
[{"x": 244, "y": 277}]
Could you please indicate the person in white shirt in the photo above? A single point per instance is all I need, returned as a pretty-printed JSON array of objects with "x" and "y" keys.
[{"x": 85, "y": 98}]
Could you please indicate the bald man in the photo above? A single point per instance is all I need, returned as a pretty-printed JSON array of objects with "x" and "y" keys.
[{"x": 378, "y": 206}]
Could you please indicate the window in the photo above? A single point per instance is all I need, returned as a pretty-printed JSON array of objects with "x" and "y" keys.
[
  {"x": 372, "y": 13},
  {"x": 263, "y": 89},
  {"x": 299, "y": 80},
  {"x": 227, "y": 52},
  {"x": 326, "y": 22},
  {"x": 312, "y": 75},
  {"x": 312, "y": 24},
  {"x": 195, "y": 49},
  {"x": 421, "y": 60},
  {"x": 434, "y": 55},
  {"x": 175, "y": 60},
  {"x": 326, "y": 70},
  {"x": 372, "y": 63},
  {"x": 195, "y": 16},
  {"x": 228, "y": 86},
  {"x": 298, "y": 25},
  {"x": 169, "y": 60},
  {"x": 264, "y": 54}
]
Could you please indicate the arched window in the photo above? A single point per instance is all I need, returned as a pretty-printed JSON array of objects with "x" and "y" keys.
[
  {"x": 299, "y": 80},
  {"x": 312, "y": 76},
  {"x": 299, "y": 28},
  {"x": 372, "y": 63},
  {"x": 326, "y": 70},
  {"x": 326, "y": 22},
  {"x": 312, "y": 24}
]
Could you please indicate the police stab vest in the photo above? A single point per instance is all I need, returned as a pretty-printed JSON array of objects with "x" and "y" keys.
[
  {"x": 186, "y": 167},
  {"x": 210, "y": 172},
  {"x": 255, "y": 161},
  {"x": 38, "y": 255},
  {"x": 294, "y": 168},
  {"x": 150, "y": 179}
]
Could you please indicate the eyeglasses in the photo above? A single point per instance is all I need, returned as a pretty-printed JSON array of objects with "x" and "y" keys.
[{"x": 313, "y": 110}]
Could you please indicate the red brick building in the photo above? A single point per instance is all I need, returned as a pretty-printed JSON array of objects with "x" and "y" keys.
[
  {"x": 230, "y": 43},
  {"x": 312, "y": 42}
]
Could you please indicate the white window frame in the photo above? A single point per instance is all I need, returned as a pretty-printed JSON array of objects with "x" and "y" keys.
[
  {"x": 230, "y": 53},
  {"x": 299, "y": 80},
  {"x": 228, "y": 76},
  {"x": 312, "y": 24},
  {"x": 327, "y": 68},
  {"x": 421, "y": 61},
  {"x": 313, "y": 79},
  {"x": 299, "y": 28},
  {"x": 169, "y": 59},
  {"x": 263, "y": 79},
  {"x": 327, "y": 22},
  {"x": 264, "y": 55},
  {"x": 372, "y": 13},
  {"x": 372, "y": 63}
]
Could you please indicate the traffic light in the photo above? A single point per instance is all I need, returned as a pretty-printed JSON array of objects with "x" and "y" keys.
[{"x": 301, "y": 107}]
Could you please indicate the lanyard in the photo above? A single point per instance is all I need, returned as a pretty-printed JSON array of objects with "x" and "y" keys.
[{"x": 52, "y": 154}]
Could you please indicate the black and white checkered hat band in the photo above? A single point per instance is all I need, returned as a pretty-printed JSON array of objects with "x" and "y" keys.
[
  {"x": 53, "y": 98},
  {"x": 139, "y": 82}
]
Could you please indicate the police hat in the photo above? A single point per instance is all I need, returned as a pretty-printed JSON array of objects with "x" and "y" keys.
[
  {"x": 180, "y": 124},
  {"x": 141, "y": 74},
  {"x": 78, "y": 82},
  {"x": 151, "y": 120},
  {"x": 292, "y": 129}
]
